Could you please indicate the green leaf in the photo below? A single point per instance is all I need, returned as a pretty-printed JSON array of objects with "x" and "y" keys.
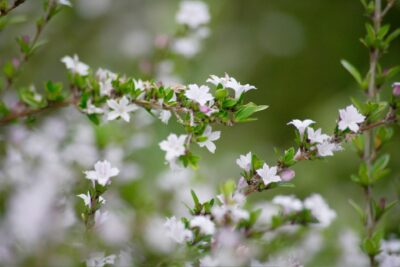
[
  {"x": 246, "y": 111},
  {"x": 54, "y": 91},
  {"x": 358, "y": 209},
  {"x": 392, "y": 36},
  {"x": 353, "y": 71}
]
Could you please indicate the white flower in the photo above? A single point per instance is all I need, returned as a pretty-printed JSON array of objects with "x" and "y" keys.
[
  {"x": 208, "y": 261},
  {"x": 75, "y": 66},
  {"x": 350, "y": 118},
  {"x": 326, "y": 149},
  {"x": 186, "y": 46},
  {"x": 88, "y": 200},
  {"x": 320, "y": 210},
  {"x": 301, "y": 125},
  {"x": 211, "y": 136},
  {"x": 120, "y": 108},
  {"x": 199, "y": 94},
  {"x": 234, "y": 212},
  {"x": 205, "y": 225},
  {"x": 105, "y": 87},
  {"x": 102, "y": 172},
  {"x": 139, "y": 84},
  {"x": 65, "y": 2},
  {"x": 315, "y": 136},
  {"x": 104, "y": 75},
  {"x": 219, "y": 80},
  {"x": 238, "y": 88},
  {"x": 165, "y": 115},
  {"x": 174, "y": 146},
  {"x": 99, "y": 260},
  {"x": 176, "y": 230},
  {"x": 269, "y": 175},
  {"x": 244, "y": 162},
  {"x": 92, "y": 109},
  {"x": 289, "y": 203},
  {"x": 100, "y": 217},
  {"x": 193, "y": 13}
]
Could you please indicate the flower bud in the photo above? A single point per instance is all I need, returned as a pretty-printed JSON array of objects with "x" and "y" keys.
[
  {"x": 396, "y": 89},
  {"x": 287, "y": 174},
  {"x": 15, "y": 62},
  {"x": 205, "y": 109}
]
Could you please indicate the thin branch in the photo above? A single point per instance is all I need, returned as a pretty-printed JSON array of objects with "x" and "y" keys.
[{"x": 14, "y": 5}]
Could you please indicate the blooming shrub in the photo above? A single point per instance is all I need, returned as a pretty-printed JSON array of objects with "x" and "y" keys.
[{"x": 69, "y": 185}]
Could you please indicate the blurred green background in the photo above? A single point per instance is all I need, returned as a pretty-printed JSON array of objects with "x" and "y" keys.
[{"x": 290, "y": 50}]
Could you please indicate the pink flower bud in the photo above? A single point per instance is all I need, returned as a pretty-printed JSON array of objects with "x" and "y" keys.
[
  {"x": 161, "y": 41},
  {"x": 15, "y": 62},
  {"x": 205, "y": 109},
  {"x": 26, "y": 39},
  {"x": 287, "y": 174},
  {"x": 396, "y": 89}
]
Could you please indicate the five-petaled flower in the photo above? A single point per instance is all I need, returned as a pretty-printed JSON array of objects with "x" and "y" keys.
[
  {"x": 244, "y": 161},
  {"x": 120, "y": 108},
  {"x": 176, "y": 230},
  {"x": 199, "y": 94},
  {"x": 174, "y": 146},
  {"x": 301, "y": 125},
  {"x": 269, "y": 174},
  {"x": 326, "y": 149},
  {"x": 350, "y": 118},
  {"x": 102, "y": 172},
  {"x": 75, "y": 66},
  {"x": 210, "y": 137}
]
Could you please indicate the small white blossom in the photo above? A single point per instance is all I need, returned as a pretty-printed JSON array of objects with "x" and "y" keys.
[
  {"x": 211, "y": 136},
  {"x": 100, "y": 260},
  {"x": 100, "y": 217},
  {"x": 244, "y": 161},
  {"x": 176, "y": 230},
  {"x": 92, "y": 109},
  {"x": 75, "y": 66},
  {"x": 301, "y": 125},
  {"x": 193, "y": 13},
  {"x": 289, "y": 203},
  {"x": 205, "y": 225},
  {"x": 165, "y": 115},
  {"x": 105, "y": 87},
  {"x": 120, "y": 108},
  {"x": 315, "y": 136},
  {"x": 104, "y": 75},
  {"x": 350, "y": 118},
  {"x": 269, "y": 174},
  {"x": 219, "y": 80},
  {"x": 320, "y": 210},
  {"x": 238, "y": 88},
  {"x": 139, "y": 84},
  {"x": 102, "y": 172},
  {"x": 326, "y": 149},
  {"x": 174, "y": 146},
  {"x": 65, "y": 3},
  {"x": 199, "y": 94}
]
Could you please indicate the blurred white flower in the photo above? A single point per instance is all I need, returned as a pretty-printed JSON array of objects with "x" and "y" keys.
[
  {"x": 65, "y": 2},
  {"x": 269, "y": 174},
  {"x": 244, "y": 162},
  {"x": 320, "y": 210},
  {"x": 165, "y": 115},
  {"x": 174, "y": 146},
  {"x": 176, "y": 230},
  {"x": 288, "y": 203},
  {"x": 120, "y": 108},
  {"x": 75, "y": 66},
  {"x": 350, "y": 118},
  {"x": 211, "y": 136},
  {"x": 87, "y": 200},
  {"x": 102, "y": 172},
  {"x": 193, "y": 13},
  {"x": 204, "y": 223},
  {"x": 199, "y": 94},
  {"x": 99, "y": 259},
  {"x": 186, "y": 46},
  {"x": 301, "y": 125}
]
